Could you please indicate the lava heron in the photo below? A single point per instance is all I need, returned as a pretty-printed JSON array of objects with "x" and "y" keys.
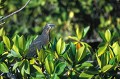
[{"x": 40, "y": 41}]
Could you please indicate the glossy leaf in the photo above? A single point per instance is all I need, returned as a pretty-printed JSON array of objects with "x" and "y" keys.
[
  {"x": 73, "y": 48},
  {"x": 54, "y": 76},
  {"x": 73, "y": 38},
  {"x": 1, "y": 47},
  {"x": 21, "y": 42},
  {"x": 27, "y": 66},
  {"x": 38, "y": 69},
  {"x": 41, "y": 55},
  {"x": 60, "y": 47},
  {"x": 15, "y": 65},
  {"x": 106, "y": 68},
  {"x": 98, "y": 60},
  {"x": 15, "y": 54},
  {"x": 80, "y": 53},
  {"x": 49, "y": 65},
  {"x": 23, "y": 70},
  {"x": 86, "y": 30},
  {"x": 60, "y": 68},
  {"x": 102, "y": 50},
  {"x": 108, "y": 35},
  {"x": 7, "y": 42},
  {"x": 102, "y": 35},
  {"x": 2, "y": 32},
  {"x": 116, "y": 49},
  {"x": 1, "y": 77},
  {"x": 3, "y": 67},
  {"x": 85, "y": 75},
  {"x": 79, "y": 33},
  {"x": 87, "y": 64},
  {"x": 71, "y": 14}
]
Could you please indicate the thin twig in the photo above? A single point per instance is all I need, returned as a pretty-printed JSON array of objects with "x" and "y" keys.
[
  {"x": 15, "y": 11},
  {"x": 2, "y": 23}
]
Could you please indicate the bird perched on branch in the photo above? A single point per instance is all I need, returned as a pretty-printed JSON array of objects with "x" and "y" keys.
[{"x": 40, "y": 41}]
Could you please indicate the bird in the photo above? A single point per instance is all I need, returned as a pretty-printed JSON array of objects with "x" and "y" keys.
[{"x": 40, "y": 41}]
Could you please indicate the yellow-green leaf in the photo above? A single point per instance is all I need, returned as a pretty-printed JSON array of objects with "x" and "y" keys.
[
  {"x": 73, "y": 38},
  {"x": 23, "y": 70},
  {"x": 62, "y": 47},
  {"x": 38, "y": 69},
  {"x": 15, "y": 49},
  {"x": 106, "y": 68},
  {"x": 4, "y": 68},
  {"x": 101, "y": 50},
  {"x": 116, "y": 49},
  {"x": 71, "y": 14},
  {"x": 79, "y": 33},
  {"x": 27, "y": 67},
  {"x": 15, "y": 65},
  {"x": 47, "y": 65},
  {"x": 41, "y": 55},
  {"x": 21, "y": 42},
  {"x": 108, "y": 35},
  {"x": 7, "y": 42},
  {"x": 79, "y": 53},
  {"x": 58, "y": 46},
  {"x": 98, "y": 60},
  {"x": 2, "y": 32},
  {"x": 1, "y": 77}
]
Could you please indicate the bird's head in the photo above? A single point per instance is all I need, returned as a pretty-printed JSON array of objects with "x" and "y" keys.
[{"x": 48, "y": 27}]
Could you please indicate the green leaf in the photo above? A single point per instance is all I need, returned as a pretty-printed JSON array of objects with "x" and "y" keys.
[
  {"x": 106, "y": 68},
  {"x": 15, "y": 54},
  {"x": 15, "y": 65},
  {"x": 28, "y": 42},
  {"x": 7, "y": 42},
  {"x": 87, "y": 64},
  {"x": 1, "y": 77},
  {"x": 60, "y": 68},
  {"x": 79, "y": 33},
  {"x": 98, "y": 60},
  {"x": 1, "y": 47},
  {"x": 73, "y": 48},
  {"x": 108, "y": 35},
  {"x": 21, "y": 42},
  {"x": 102, "y": 50},
  {"x": 3, "y": 67},
  {"x": 116, "y": 49},
  {"x": 27, "y": 67},
  {"x": 2, "y": 32},
  {"x": 54, "y": 76},
  {"x": 86, "y": 30},
  {"x": 102, "y": 36},
  {"x": 49, "y": 65},
  {"x": 80, "y": 53},
  {"x": 85, "y": 75},
  {"x": 60, "y": 47},
  {"x": 23, "y": 70},
  {"x": 41, "y": 55},
  {"x": 73, "y": 38},
  {"x": 38, "y": 69},
  {"x": 15, "y": 40}
]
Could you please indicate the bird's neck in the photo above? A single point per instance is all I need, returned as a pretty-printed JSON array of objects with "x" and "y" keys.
[{"x": 45, "y": 32}]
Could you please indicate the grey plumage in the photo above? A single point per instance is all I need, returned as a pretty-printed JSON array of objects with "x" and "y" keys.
[{"x": 40, "y": 41}]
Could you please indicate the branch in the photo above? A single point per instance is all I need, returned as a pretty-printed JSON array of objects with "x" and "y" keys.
[
  {"x": 15, "y": 11},
  {"x": 2, "y": 23}
]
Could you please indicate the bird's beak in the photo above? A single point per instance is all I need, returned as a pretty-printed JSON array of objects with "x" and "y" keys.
[{"x": 52, "y": 25}]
